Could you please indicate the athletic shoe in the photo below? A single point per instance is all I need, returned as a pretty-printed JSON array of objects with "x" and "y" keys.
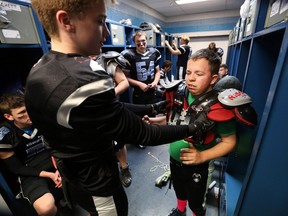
[
  {"x": 125, "y": 176},
  {"x": 163, "y": 179},
  {"x": 176, "y": 212}
]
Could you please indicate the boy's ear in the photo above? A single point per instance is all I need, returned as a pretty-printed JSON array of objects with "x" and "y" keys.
[
  {"x": 214, "y": 79},
  {"x": 8, "y": 116},
  {"x": 64, "y": 20}
]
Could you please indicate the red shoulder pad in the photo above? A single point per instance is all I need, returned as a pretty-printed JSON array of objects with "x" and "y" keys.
[{"x": 218, "y": 113}]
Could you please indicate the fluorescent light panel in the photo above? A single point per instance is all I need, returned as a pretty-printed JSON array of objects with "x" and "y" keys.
[{"x": 179, "y": 2}]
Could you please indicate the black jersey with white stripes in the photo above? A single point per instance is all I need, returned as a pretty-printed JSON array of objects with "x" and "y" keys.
[{"x": 186, "y": 51}]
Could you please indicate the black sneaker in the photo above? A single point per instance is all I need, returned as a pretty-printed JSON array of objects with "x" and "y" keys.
[
  {"x": 125, "y": 176},
  {"x": 176, "y": 212}
]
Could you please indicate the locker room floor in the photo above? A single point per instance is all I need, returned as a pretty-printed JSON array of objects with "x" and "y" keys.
[{"x": 145, "y": 199}]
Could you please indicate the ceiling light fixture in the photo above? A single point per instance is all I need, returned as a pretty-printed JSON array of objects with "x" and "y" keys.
[{"x": 179, "y": 2}]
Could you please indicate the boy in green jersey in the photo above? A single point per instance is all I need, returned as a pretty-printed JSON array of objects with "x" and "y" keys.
[{"x": 191, "y": 159}]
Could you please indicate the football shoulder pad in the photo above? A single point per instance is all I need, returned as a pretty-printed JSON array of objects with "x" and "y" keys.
[
  {"x": 233, "y": 103},
  {"x": 110, "y": 60},
  {"x": 233, "y": 97}
]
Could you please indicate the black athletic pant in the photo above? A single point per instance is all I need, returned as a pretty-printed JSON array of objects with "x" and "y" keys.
[{"x": 189, "y": 183}]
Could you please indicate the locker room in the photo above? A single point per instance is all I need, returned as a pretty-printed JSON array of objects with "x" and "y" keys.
[{"x": 252, "y": 36}]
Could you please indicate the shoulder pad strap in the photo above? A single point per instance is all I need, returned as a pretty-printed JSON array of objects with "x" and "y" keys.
[
  {"x": 201, "y": 105},
  {"x": 207, "y": 99}
]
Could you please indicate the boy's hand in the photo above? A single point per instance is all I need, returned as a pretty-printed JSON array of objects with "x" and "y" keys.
[
  {"x": 161, "y": 120},
  {"x": 143, "y": 86},
  {"x": 191, "y": 155},
  {"x": 57, "y": 180}
]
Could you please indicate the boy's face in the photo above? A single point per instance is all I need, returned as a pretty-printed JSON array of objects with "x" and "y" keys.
[
  {"x": 222, "y": 72},
  {"x": 20, "y": 117},
  {"x": 91, "y": 31},
  {"x": 198, "y": 78},
  {"x": 166, "y": 69},
  {"x": 141, "y": 43}
]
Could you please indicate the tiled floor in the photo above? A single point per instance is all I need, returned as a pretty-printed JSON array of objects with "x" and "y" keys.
[{"x": 145, "y": 199}]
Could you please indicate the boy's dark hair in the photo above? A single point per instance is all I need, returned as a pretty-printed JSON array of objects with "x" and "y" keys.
[
  {"x": 166, "y": 63},
  {"x": 212, "y": 57},
  {"x": 10, "y": 101}
]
